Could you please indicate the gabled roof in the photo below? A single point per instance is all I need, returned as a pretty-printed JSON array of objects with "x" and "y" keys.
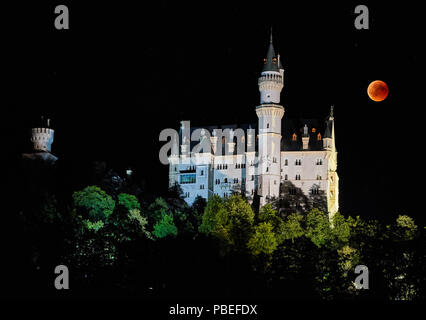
[{"x": 289, "y": 127}]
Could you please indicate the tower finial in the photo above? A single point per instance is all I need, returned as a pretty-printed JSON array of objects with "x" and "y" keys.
[
  {"x": 332, "y": 111},
  {"x": 270, "y": 40}
]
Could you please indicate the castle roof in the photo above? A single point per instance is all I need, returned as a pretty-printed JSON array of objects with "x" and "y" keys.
[
  {"x": 271, "y": 61},
  {"x": 292, "y": 132}
]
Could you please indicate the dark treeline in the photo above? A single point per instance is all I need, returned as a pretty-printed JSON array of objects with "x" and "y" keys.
[{"x": 121, "y": 240}]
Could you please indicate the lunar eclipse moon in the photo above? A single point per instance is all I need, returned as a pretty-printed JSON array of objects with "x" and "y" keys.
[{"x": 378, "y": 90}]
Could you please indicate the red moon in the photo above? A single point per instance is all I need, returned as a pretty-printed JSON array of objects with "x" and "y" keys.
[{"x": 378, "y": 90}]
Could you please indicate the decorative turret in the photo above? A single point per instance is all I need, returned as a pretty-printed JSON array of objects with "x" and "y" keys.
[
  {"x": 271, "y": 80},
  {"x": 305, "y": 138},
  {"x": 42, "y": 136},
  {"x": 328, "y": 141},
  {"x": 42, "y": 139}
]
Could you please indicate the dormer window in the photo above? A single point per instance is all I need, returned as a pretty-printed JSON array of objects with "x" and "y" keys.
[
  {"x": 294, "y": 137},
  {"x": 319, "y": 136},
  {"x": 314, "y": 130}
]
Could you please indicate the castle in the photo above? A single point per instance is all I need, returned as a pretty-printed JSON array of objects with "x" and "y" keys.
[{"x": 300, "y": 153}]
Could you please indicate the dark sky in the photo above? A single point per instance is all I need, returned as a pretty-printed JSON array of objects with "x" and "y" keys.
[{"x": 125, "y": 71}]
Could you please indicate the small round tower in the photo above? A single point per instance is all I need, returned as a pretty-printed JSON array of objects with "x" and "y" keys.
[{"x": 42, "y": 136}]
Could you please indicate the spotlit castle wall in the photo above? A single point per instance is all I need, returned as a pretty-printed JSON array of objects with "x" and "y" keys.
[{"x": 281, "y": 157}]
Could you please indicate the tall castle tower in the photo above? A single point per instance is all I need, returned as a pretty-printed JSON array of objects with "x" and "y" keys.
[{"x": 270, "y": 113}]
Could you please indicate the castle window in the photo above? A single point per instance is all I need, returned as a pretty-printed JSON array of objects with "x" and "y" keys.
[
  {"x": 315, "y": 190},
  {"x": 286, "y": 177},
  {"x": 225, "y": 180},
  {"x": 202, "y": 173},
  {"x": 187, "y": 178},
  {"x": 267, "y": 169},
  {"x": 286, "y": 162},
  {"x": 252, "y": 178},
  {"x": 319, "y": 162},
  {"x": 298, "y": 162},
  {"x": 267, "y": 125},
  {"x": 319, "y": 177},
  {"x": 297, "y": 176},
  {"x": 294, "y": 138},
  {"x": 314, "y": 130},
  {"x": 201, "y": 186},
  {"x": 274, "y": 160},
  {"x": 319, "y": 136},
  {"x": 275, "y": 181}
]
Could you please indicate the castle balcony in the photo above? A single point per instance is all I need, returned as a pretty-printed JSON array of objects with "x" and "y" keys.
[{"x": 277, "y": 78}]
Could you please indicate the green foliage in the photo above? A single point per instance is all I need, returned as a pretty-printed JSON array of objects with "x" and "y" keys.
[
  {"x": 214, "y": 214},
  {"x": 157, "y": 210},
  {"x": 198, "y": 208},
  {"x": 292, "y": 227},
  {"x": 229, "y": 220},
  {"x": 406, "y": 228},
  {"x": 263, "y": 240},
  {"x": 129, "y": 201},
  {"x": 95, "y": 226},
  {"x": 318, "y": 227},
  {"x": 165, "y": 227},
  {"x": 97, "y": 204},
  {"x": 340, "y": 230}
]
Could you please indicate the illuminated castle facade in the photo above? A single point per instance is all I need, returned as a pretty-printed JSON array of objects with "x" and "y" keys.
[{"x": 277, "y": 152}]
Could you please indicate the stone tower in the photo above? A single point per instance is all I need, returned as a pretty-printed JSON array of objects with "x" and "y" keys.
[
  {"x": 42, "y": 139},
  {"x": 270, "y": 113}
]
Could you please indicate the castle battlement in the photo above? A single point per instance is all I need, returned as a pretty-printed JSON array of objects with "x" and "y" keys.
[{"x": 42, "y": 139}]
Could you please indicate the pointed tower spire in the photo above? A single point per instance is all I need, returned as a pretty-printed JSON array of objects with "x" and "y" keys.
[
  {"x": 329, "y": 131},
  {"x": 270, "y": 62}
]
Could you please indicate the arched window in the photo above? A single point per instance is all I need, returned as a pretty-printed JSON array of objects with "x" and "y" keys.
[
  {"x": 267, "y": 125},
  {"x": 319, "y": 136},
  {"x": 286, "y": 177},
  {"x": 294, "y": 138},
  {"x": 286, "y": 162},
  {"x": 314, "y": 130}
]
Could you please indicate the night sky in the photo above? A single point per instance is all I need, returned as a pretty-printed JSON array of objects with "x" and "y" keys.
[{"x": 123, "y": 72}]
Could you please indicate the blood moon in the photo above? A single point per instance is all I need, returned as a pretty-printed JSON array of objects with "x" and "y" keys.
[{"x": 378, "y": 90}]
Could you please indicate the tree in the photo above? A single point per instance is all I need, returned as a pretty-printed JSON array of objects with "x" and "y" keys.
[
  {"x": 129, "y": 201},
  {"x": 198, "y": 208},
  {"x": 96, "y": 203},
  {"x": 340, "y": 231},
  {"x": 406, "y": 228},
  {"x": 213, "y": 214},
  {"x": 318, "y": 227},
  {"x": 229, "y": 220},
  {"x": 263, "y": 240},
  {"x": 156, "y": 210},
  {"x": 292, "y": 228},
  {"x": 165, "y": 227}
]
